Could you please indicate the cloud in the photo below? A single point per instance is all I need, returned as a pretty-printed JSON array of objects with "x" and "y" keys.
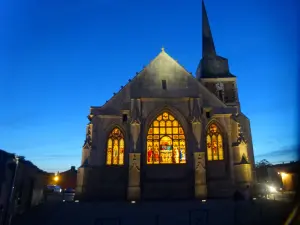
[{"x": 284, "y": 152}]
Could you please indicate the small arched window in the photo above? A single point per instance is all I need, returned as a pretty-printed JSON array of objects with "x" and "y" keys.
[
  {"x": 214, "y": 143},
  {"x": 115, "y": 148}
]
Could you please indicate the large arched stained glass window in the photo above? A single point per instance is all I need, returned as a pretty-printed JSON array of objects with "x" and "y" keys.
[
  {"x": 166, "y": 141},
  {"x": 214, "y": 143},
  {"x": 115, "y": 148}
]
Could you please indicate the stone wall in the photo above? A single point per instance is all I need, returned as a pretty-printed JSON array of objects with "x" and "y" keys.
[
  {"x": 113, "y": 179},
  {"x": 107, "y": 182}
]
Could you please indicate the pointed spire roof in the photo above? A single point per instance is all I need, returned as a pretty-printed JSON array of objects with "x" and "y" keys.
[
  {"x": 208, "y": 46},
  {"x": 211, "y": 65}
]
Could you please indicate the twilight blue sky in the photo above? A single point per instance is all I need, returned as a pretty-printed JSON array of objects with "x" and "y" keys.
[{"x": 59, "y": 57}]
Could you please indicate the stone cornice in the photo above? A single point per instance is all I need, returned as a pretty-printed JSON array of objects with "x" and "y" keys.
[
  {"x": 110, "y": 116},
  {"x": 222, "y": 115},
  {"x": 125, "y": 111},
  {"x": 164, "y": 99},
  {"x": 207, "y": 109},
  {"x": 221, "y": 79}
]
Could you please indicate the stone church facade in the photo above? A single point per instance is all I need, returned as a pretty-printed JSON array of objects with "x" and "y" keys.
[{"x": 169, "y": 135}]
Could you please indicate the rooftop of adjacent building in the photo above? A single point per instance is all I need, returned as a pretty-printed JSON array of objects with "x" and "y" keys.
[
  {"x": 72, "y": 170},
  {"x": 291, "y": 167},
  {"x": 6, "y": 157}
]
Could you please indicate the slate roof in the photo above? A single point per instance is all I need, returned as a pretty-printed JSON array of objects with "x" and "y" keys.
[{"x": 141, "y": 84}]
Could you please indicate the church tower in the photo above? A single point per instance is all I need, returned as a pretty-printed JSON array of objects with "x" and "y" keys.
[{"x": 213, "y": 70}]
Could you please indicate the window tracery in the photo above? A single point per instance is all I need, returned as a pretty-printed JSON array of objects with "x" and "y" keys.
[
  {"x": 115, "y": 148},
  {"x": 214, "y": 143},
  {"x": 166, "y": 141}
]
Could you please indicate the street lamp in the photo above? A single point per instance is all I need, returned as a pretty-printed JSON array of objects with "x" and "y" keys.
[
  {"x": 12, "y": 191},
  {"x": 56, "y": 177}
]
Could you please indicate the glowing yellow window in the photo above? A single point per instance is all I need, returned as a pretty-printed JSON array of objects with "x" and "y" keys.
[
  {"x": 214, "y": 143},
  {"x": 115, "y": 148},
  {"x": 166, "y": 146},
  {"x": 220, "y": 147},
  {"x": 208, "y": 145},
  {"x": 175, "y": 123},
  {"x": 109, "y": 151}
]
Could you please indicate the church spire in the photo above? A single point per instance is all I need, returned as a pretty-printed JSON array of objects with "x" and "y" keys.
[
  {"x": 208, "y": 47},
  {"x": 211, "y": 65}
]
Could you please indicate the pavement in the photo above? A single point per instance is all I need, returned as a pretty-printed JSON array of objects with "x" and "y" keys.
[
  {"x": 282, "y": 197},
  {"x": 38, "y": 215},
  {"x": 211, "y": 212}
]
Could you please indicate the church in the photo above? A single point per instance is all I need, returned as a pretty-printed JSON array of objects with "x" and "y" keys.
[{"x": 169, "y": 135}]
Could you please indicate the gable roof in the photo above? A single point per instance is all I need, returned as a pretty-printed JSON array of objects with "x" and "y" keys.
[{"x": 162, "y": 63}]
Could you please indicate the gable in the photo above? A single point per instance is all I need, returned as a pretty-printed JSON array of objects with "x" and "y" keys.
[{"x": 148, "y": 84}]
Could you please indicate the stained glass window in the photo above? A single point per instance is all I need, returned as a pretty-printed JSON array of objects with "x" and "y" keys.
[
  {"x": 214, "y": 143},
  {"x": 166, "y": 141},
  {"x": 115, "y": 148}
]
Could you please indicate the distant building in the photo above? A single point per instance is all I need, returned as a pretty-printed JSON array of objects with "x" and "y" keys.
[
  {"x": 285, "y": 175},
  {"x": 68, "y": 178},
  {"x": 170, "y": 135}
]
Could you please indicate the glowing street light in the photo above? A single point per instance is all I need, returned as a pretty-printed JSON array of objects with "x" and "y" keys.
[
  {"x": 283, "y": 175},
  {"x": 272, "y": 189},
  {"x": 56, "y": 177}
]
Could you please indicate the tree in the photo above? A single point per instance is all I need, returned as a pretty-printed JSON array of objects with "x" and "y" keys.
[
  {"x": 263, "y": 163},
  {"x": 262, "y": 170}
]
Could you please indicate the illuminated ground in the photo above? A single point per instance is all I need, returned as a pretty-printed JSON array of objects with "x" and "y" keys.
[{"x": 152, "y": 213}]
